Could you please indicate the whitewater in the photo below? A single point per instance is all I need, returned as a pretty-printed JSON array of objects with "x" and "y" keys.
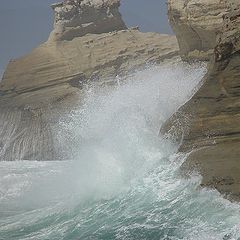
[{"x": 122, "y": 180}]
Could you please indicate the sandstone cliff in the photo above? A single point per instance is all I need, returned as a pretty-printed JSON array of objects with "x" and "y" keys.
[
  {"x": 89, "y": 43},
  {"x": 97, "y": 58},
  {"x": 213, "y": 114},
  {"x": 197, "y": 24},
  {"x": 76, "y": 18}
]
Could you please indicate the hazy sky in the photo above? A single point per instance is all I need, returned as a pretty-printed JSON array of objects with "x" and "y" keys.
[{"x": 26, "y": 23}]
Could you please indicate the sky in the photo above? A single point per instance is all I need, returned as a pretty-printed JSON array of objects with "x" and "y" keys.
[{"x": 24, "y": 24}]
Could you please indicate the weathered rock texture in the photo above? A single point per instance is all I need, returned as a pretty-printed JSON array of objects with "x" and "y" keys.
[
  {"x": 197, "y": 24},
  {"x": 214, "y": 113},
  {"x": 37, "y": 88},
  {"x": 95, "y": 58},
  {"x": 76, "y": 18}
]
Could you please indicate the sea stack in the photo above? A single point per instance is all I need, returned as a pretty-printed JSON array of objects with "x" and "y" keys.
[
  {"x": 74, "y": 18},
  {"x": 90, "y": 44}
]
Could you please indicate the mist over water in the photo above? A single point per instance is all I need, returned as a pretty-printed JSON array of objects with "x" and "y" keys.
[{"x": 123, "y": 180}]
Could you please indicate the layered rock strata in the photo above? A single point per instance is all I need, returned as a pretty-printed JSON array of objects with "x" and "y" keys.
[
  {"x": 197, "y": 24},
  {"x": 89, "y": 45},
  {"x": 213, "y": 114},
  {"x": 76, "y": 18},
  {"x": 95, "y": 57}
]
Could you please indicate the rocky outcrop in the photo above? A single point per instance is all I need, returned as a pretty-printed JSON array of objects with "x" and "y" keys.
[
  {"x": 62, "y": 67},
  {"x": 89, "y": 45},
  {"x": 228, "y": 41},
  {"x": 213, "y": 114},
  {"x": 76, "y": 18},
  {"x": 197, "y": 24},
  {"x": 89, "y": 42}
]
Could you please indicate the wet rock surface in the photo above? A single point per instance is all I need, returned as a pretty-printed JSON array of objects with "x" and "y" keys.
[
  {"x": 89, "y": 45},
  {"x": 213, "y": 114}
]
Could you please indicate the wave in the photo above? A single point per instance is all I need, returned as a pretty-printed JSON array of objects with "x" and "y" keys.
[{"x": 123, "y": 180}]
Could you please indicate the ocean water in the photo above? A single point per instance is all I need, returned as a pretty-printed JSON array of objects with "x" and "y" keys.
[{"x": 123, "y": 180}]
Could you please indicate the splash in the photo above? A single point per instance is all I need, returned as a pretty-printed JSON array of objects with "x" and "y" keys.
[{"x": 123, "y": 180}]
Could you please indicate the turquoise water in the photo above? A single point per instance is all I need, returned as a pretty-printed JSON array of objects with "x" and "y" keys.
[{"x": 123, "y": 181}]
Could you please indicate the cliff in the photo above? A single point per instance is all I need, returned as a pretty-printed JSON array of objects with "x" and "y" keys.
[
  {"x": 88, "y": 58},
  {"x": 89, "y": 44},
  {"x": 78, "y": 53},
  {"x": 213, "y": 114},
  {"x": 197, "y": 24},
  {"x": 76, "y": 18}
]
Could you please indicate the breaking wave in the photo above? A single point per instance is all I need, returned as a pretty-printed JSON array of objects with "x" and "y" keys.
[{"x": 123, "y": 180}]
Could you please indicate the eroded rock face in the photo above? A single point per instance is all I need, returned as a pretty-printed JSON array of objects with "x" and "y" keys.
[
  {"x": 89, "y": 42},
  {"x": 228, "y": 41},
  {"x": 197, "y": 24},
  {"x": 214, "y": 114},
  {"x": 89, "y": 45},
  {"x": 65, "y": 65},
  {"x": 76, "y": 18}
]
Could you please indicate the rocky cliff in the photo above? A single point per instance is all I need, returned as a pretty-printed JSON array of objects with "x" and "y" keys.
[
  {"x": 197, "y": 24},
  {"x": 213, "y": 114},
  {"x": 89, "y": 44},
  {"x": 76, "y": 18},
  {"x": 64, "y": 63}
]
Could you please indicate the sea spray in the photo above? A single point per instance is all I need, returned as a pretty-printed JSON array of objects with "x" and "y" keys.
[{"x": 121, "y": 180}]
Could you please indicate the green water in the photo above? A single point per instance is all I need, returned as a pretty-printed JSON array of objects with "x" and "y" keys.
[{"x": 124, "y": 180}]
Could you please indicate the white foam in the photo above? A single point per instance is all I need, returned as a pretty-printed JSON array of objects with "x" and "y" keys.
[{"x": 123, "y": 178}]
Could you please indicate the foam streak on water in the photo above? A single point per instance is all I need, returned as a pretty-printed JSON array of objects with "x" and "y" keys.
[{"x": 123, "y": 181}]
